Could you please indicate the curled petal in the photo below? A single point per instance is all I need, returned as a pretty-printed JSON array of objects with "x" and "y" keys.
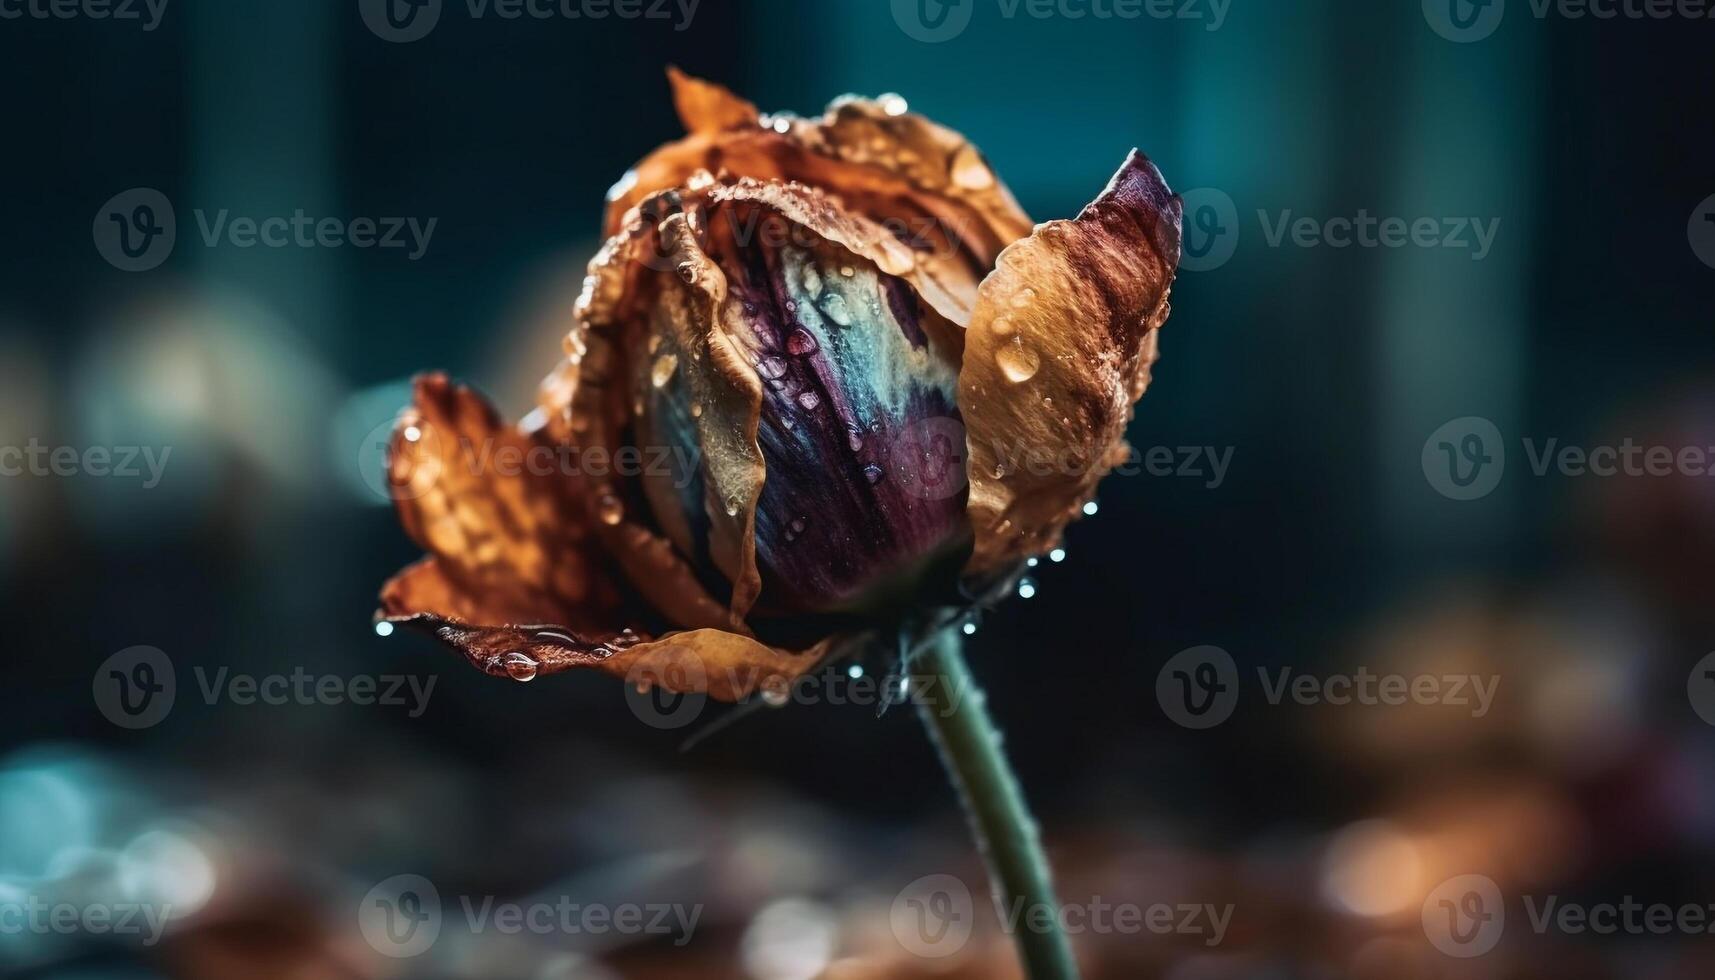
[
  {"x": 508, "y": 536},
  {"x": 705, "y": 107},
  {"x": 1058, "y": 351},
  {"x": 928, "y": 186}
]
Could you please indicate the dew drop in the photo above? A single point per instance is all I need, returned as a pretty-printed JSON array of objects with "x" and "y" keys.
[
  {"x": 1026, "y": 589},
  {"x": 810, "y": 400},
  {"x": 855, "y": 671},
  {"x": 1003, "y": 326},
  {"x": 521, "y": 667},
  {"x": 873, "y": 473},
  {"x": 798, "y": 525},
  {"x": 384, "y": 628},
  {"x": 687, "y": 272},
  {"x": 970, "y": 171},
  {"x": 696, "y": 410},
  {"x": 1090, "y": 509},
  {"x": 893, "y": 104},
  {"x": 847, "y": 271},
  {"x": 775, "y": 693},
  {"x": 732, "y": 507},
  {"x": 1057, "y": 556},
  {"x": 609, "y": 509},
  {"x": 663, "y": 370},
  {"x": 1023, "y": 298},
  {"x": 969, "y": 628},
  {"x": 834, "y": 308},
  {"x": 1018, "y": 363},
  {"x": 800, "y": 343},
  {"x": 854, "y": 438},
  {"x": 771, "y": 368}
]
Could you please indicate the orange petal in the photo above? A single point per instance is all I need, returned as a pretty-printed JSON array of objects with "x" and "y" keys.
[
  {"x": 723, "y": 665},
  {"x": 508, "y": 533},
  {"x": 928, "y": 185},
  {"x": 705, "y": 107},
  {"x": 1059, "y": 349}
]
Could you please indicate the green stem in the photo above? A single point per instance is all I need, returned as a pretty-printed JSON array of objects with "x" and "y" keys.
[{"x": 955, "y": 711}]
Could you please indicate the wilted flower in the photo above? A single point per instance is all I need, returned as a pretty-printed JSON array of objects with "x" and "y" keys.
[{"x": 883, "y": 386}]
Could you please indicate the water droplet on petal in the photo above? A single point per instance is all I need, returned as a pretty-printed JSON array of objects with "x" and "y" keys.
[
  {"x": 1023, "y": 298},
  {"x": 1018, "y": 362},
  {"x": 847, "y": 271},
  {"x": 800, "y": 343},
  {"x": 1026, "y": 589},
  {"x": 854, "y": 438},
  {"x": 775, "y": 692},
  {"x": 969, "y": 628},
  {"x": 798, "y": 525},
  {"x": 873, "y": 473},
  {"x": 893, "y": 104},
  {"x": 384, "y": 628},
  {"x": 1003, "y": 326},
  {"x": 771, "y": 368},
  {"x": 1057, "y": 555},
  {"x": 609, "y": 509},
  {"x": 1090, "y": 509},
  {"x": 521, "y": 667},
  {"x": 663, "y": 370},
  {"x": 687, "y": 272},
  {"x": 732, "y": 507},
  {"x": 696, "y": 410},
  {"x": 810, "y": 400}
]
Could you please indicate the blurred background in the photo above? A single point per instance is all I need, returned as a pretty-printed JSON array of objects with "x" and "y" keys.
[{"x": 1354, "y": 529}]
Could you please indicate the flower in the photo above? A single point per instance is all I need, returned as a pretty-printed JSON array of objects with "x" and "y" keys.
[{"x": 860, "y": 356}]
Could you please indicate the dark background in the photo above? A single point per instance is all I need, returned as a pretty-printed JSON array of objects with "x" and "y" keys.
[{"x": 1325, "y": 547}]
